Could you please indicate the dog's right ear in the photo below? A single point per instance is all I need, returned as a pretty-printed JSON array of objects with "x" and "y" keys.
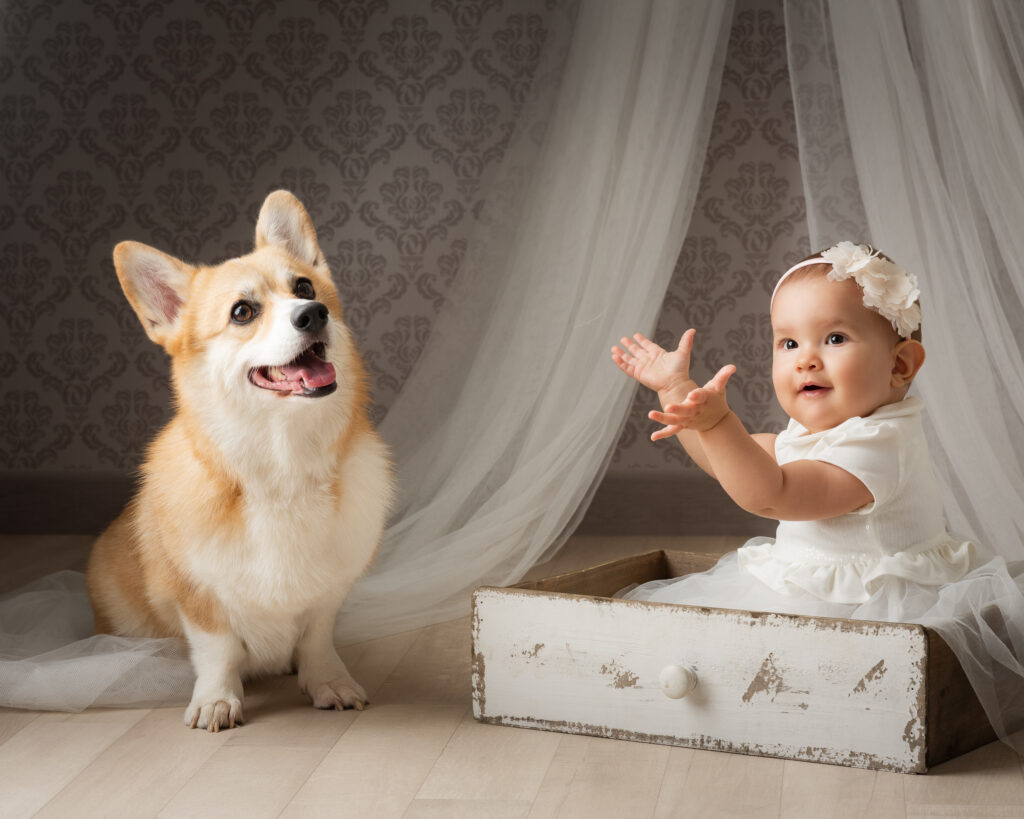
[{"x": 156, "y": 286}]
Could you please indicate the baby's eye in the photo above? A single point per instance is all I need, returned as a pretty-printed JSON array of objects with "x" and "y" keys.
[
  {"x": 836, "y": 338},
  {"x": 789, "y": 344}
]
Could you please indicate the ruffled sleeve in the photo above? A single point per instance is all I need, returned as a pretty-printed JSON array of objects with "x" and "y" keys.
[{"x": 867, "y": 448}]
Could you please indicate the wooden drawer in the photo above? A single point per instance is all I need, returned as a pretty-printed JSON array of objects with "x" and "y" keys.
[{"x": 559, "y": 654}]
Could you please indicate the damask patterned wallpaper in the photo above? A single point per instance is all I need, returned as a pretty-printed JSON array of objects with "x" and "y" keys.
[
  {"x": 748, "y": 227},
  {"x": 167, "y": 122}
]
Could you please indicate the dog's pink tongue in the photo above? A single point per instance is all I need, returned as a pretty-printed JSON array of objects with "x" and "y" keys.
[{"x": 310, "y": 370}]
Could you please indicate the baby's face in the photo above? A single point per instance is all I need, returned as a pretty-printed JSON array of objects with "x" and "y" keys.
[{"x": 832, "y": 357}]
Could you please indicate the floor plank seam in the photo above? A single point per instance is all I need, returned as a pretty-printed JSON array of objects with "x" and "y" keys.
[
  {"x": 88, "y": 764},
  {"x": 440, "y": 756},
  {"x": 661, "y": 783},
  {"x": 313, "y": 769},
  {"x": 22, "y": 728},
  {"x": 171, "y": 797}
]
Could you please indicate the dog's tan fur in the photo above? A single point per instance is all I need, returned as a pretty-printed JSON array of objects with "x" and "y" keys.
[{"x": 258, "y": 509}]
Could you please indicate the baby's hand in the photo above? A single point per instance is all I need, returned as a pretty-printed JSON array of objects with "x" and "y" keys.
[
  {"x": 653, "y": 366},
  {"x": 702, "y": 408}
]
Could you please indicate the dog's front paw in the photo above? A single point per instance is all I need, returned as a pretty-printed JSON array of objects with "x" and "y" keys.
[
  {"x": 339, "y": 693},
  {"x": 214, "y": 714}
]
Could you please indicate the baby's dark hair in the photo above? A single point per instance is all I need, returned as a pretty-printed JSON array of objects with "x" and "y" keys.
[{"x": 825, "y": 267}]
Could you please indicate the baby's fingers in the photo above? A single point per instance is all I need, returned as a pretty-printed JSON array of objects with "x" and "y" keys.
[
  {"x": 675, "y": 414},
  {"x": 665, "y": 432},
  {"x": 694, "y": 398},
  {"x": 686, "y": 342},
  {"x": 720, "y": 380},
  {"x": 668, "y": 418},
  {"x": 631, "y": 346},
  {"x": 647, "y": 344},
  {"x": 624, "y": 361}
]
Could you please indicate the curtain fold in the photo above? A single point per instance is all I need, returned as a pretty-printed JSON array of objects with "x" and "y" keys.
[
  {"x": 921, "y": 116},
  {"x": 512, "y": 412},
  {"x": 911, "y": 127}
]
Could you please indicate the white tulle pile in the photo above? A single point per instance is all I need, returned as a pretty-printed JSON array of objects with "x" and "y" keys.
[
  {"x": 51, "y": 660},
  {"x": 980, "y": 616}
]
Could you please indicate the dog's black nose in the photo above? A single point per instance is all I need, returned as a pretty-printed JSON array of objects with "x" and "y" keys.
[{"x": 310, "y": 317}]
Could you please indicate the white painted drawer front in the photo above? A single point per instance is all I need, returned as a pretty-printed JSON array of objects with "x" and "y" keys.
[{"x": 796, "y": 687}]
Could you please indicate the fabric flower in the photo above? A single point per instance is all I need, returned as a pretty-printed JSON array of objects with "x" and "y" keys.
[{"x": 888, "y": 289}]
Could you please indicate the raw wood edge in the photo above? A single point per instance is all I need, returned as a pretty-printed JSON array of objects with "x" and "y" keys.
[
  {"x": 605, "y": 579},
  {"x": 956, "y": 722},
  {"x": 477, "y": 659}
]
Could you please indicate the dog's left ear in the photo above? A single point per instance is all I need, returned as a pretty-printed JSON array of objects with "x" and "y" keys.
[{"x": 284, "y": 223}]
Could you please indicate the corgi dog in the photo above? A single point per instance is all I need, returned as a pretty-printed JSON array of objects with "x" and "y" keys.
[{"x": 264, "y": 499}]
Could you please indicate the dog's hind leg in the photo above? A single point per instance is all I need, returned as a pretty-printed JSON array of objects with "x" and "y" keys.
[{"x": 322, "y": 675}]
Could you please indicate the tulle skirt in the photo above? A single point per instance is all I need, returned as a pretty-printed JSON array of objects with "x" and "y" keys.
[{"x": 980, "y": 616}]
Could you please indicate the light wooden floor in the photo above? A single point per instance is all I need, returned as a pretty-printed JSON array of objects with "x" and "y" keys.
[{"x": 417, "y": 752}]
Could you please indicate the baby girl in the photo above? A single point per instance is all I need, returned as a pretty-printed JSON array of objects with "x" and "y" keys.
[{"x": 861, "y": 529}]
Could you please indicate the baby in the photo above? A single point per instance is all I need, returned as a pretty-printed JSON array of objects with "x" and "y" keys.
[{"x": 861, "y": 529}]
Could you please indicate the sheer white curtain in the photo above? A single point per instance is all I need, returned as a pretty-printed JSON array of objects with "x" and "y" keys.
[
  {"x": 509, "y": 418},
  {"x": 911, "y": 125},
  {"x": 511, "y": 413},
  {"x": 928, "y": 95}
]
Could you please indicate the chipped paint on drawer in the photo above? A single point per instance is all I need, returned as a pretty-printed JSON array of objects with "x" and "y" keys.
[{"x": 840, "y": 691}]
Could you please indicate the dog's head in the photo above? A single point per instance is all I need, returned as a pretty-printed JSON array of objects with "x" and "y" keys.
[{"x": 257, "y": 328}]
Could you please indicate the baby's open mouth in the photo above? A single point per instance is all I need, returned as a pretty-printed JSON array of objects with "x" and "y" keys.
[
  {"x": 309, "y": 374},
  {"x": 812, "y": 389}
]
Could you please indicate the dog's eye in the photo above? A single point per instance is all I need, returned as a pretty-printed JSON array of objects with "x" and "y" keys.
[
  {"x": 304, "y": 289},
  {"x": 243, "y": 312}
]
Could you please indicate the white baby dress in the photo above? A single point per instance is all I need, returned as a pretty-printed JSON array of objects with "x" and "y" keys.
[
  {"x": 892, "y": 559},
  {"x": 898, "y": 540}
]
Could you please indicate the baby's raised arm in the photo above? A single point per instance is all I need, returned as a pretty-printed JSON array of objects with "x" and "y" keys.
[
  {"x": 716, "y": 439},
  {"x": 668, "y": 374},
  {"x": 745, "y": 464}
]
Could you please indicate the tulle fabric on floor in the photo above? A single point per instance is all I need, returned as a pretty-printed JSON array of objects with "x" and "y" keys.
[
  {"x": 980, "y": 616},
  {"x": 51, "y": 660}
]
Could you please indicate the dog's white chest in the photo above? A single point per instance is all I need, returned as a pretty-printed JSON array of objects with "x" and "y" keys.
[
  {"x": 301, "y": 548},
  {"x": 285, "y": 557}
]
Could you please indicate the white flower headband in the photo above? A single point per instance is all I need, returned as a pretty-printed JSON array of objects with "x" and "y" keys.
[{"x": 888, "y": 289}]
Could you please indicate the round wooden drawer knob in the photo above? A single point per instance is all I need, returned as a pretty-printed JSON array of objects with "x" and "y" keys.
[{"x": 677, "y": 681}]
